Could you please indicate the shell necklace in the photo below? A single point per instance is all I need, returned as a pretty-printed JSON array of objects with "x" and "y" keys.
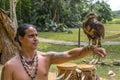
[{"x": 30, "y": 66}]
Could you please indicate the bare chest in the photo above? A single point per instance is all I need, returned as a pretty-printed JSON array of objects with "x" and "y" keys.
[{"x": 42, "y": 72}]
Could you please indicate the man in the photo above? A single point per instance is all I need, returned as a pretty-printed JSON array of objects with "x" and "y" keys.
[{"x": 30, "y": 64}]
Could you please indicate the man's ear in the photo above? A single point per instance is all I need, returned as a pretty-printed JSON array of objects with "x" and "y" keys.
[{"x": 20, "y": 38}]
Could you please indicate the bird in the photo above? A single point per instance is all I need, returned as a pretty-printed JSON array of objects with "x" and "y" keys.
[{"x": 93, "y": 29}]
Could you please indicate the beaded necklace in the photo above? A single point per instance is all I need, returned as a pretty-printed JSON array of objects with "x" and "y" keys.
[{"x": 30, "y": 66}]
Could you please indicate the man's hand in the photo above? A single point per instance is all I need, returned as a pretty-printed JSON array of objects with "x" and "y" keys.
[{"x": 100, "y": 51}]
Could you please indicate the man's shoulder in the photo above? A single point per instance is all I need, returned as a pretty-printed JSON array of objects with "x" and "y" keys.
[
  {"x": 40, "y": 52},
  {"x": 12, "y": 61},
  {"x": 43, "y": 54}
]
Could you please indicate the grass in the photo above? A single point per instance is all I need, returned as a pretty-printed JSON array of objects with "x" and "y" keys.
[
  {"x": 110, "y": 29},
  {"x": 115, "y": 20},
  {"x": 50, "y": 47},
  {"x": 113, "y": 50},
  {"x": 113, "y": 54},
  {"x": 60, "y": 35}
]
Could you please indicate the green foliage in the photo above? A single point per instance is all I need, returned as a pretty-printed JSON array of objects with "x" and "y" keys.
[
  {"x": 61, "y": 28},
  {"x": 43, "y": 12},
  {"x": 23, "y": 10},
  {"x": 104, "y": 12},
  {"x": 4, "y": 4},
  {"x": 53, "y": 26}
]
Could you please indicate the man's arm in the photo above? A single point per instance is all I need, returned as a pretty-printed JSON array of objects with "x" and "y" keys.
[{"x": 74, "y": 54}]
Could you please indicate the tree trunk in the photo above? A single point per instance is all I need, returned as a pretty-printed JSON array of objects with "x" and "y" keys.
[
  {"x": 54, "y": 15},
  {"x": 13, "y": 17},
  {"x": 8, "y": 47}
]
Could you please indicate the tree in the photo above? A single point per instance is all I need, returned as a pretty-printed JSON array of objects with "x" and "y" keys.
[
  {"x": 13, "y": 17},
  {"x": 43, "y": 13},
  {"x": 104, "y": 11},
  {"x": 8, "y": 47},
  {"x": 8, "y": 27}
]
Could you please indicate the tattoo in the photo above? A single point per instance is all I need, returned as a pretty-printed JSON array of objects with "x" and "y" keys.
[{"x": 87, "y": 48}]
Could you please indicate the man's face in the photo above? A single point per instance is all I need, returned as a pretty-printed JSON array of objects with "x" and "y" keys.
[{"x": 30, "y": 39}]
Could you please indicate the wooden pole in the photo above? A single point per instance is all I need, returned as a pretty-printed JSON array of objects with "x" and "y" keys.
[{"x": 79, "y": 35}]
